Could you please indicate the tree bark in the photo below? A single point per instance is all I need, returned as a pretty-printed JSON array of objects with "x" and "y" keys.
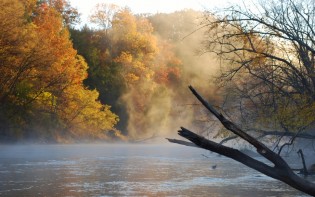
[{"x": 280, "y": 171}]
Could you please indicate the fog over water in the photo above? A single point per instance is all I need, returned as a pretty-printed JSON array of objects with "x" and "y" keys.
[{"x": 128, "y": 170}]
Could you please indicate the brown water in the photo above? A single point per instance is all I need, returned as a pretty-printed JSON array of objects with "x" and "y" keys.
[{"x": 128, "y": 170}]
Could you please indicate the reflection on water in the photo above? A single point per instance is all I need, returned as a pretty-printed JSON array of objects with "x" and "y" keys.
[{"x": 128, "y": 170}]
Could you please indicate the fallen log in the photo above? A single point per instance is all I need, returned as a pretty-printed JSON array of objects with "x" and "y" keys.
[{"x": 280, "y": 171}]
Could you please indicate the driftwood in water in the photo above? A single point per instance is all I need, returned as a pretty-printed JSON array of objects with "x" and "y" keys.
[{"x": 280, "y": 171}]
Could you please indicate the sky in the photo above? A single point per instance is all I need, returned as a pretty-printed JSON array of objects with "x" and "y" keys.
[{"x": 151, "y": 6}]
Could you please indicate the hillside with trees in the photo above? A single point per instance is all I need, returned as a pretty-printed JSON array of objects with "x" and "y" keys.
[
  {"x": 118, "y": 79},
  {"x": 141, "y": 66}
]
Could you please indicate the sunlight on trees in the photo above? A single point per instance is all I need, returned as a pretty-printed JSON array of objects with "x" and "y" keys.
[
  {"x": 103, "y": 15},
  {"x": 42, "y": 93},
  {"x": 126, "y": 61}
]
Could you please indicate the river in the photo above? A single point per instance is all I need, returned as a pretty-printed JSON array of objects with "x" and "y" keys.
[{"x": 128, "y": 170}]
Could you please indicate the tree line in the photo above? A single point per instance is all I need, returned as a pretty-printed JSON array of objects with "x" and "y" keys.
[
  {"x": 140, "y": 65},
  {"x": 110, "y": 81},
  {"x": 126, "y": 75}
]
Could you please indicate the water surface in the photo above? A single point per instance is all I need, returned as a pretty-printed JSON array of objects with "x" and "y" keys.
[{"x": 128, "y": 170}]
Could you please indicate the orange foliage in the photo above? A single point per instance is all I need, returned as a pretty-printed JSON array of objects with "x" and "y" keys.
[{"x": 43, "y": 76}]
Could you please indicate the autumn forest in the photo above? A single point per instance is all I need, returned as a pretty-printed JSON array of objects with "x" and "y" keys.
[
  {"x": 238, "y": 81},
  {"x": 63, "y": 83},
  {"x": 124, "y": 76}
]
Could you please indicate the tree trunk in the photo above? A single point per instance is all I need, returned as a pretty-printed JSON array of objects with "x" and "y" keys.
[{"x": 280, "y": 171}]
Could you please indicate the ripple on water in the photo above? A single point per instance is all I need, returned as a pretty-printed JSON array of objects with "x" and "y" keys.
[
  {"x": 131, "y": 171},
  {"x": 48, "y": 163}
]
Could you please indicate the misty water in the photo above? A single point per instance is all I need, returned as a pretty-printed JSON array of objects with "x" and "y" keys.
[{"x": 128, "y": 170}]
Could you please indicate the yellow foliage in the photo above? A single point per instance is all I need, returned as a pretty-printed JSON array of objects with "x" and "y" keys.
[
  {"x": 124, "y": 58},
  {"x": 46, "y": 99},
  {"x": 83, "y": 113},
  {"x": 290, "y": 114},
  {"x": 137, "y": 47},
  {"x": 131, "y": 78}
]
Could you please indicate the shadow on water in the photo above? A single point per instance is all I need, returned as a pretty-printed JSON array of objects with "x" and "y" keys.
[{"x": 128, "y": 170}]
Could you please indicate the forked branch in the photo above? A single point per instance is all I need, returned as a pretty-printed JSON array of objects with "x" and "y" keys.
[{"x": 280, "y": 171}]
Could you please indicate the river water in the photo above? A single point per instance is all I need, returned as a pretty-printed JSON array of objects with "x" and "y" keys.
[{"x": 128, "y": 170}]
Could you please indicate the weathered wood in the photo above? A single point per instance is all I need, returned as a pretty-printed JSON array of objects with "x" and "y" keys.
[
  {"x": 182, "y": 142},
  {"x": 280, "y": 171}
]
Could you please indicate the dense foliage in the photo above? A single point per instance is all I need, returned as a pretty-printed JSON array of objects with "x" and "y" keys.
[
  {"x": 42, "y": 93},
  {"x": 64, "y": 83},
  {"x": 128, "y": 65}
]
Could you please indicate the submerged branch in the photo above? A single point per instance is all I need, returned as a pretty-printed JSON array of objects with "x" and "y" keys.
[{"x": 228, "y": 139}]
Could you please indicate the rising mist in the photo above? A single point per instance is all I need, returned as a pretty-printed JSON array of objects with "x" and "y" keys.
[{"x": 169, "y": 106}]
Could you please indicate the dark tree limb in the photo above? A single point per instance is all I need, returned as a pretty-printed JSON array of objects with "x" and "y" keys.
[
  {"x": 228, "y": 139},
  {"x": 287, "y": 143},
  {"x": 182, "y": 142},
  {"x": 305, "y": 171},
  {"x": 261, "y": 148},
  {"x": 280, "y": 171}
]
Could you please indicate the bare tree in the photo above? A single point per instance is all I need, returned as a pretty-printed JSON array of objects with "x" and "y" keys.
[
  {"x": 270, "y": 50},
  {"x": 269, "y": 83},
  {"x": 103, "y": 14}
]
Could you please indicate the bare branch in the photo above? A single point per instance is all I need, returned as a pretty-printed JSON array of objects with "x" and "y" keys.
[
  {"x": 181, "y": 142},
  {"x": 261, "y": 148},
  {"x": 281, "y": 171}
]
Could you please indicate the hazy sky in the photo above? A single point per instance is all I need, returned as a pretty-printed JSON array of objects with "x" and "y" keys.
[{"x": 151, "y": 6}]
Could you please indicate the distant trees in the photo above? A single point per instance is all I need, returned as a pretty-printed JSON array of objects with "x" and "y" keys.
[
  {"x": 42, "y": 93},
  {"x": 70, "y": 15},
  {"x": 103, "y": 15},
  {"x": 267, "y": 54}
]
